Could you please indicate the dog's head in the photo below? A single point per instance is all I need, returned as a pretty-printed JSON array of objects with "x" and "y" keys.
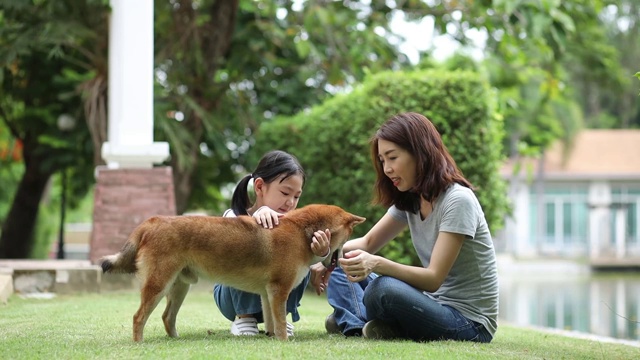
[{"x": 339, "y": 222}]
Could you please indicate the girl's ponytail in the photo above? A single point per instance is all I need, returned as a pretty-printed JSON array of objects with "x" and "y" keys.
[{"x": 240, "y": 198}]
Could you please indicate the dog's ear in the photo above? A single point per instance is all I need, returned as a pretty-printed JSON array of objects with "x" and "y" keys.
[{"x": 355, "y": 220}]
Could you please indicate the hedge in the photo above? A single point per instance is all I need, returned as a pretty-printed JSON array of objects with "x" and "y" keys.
[{"x": 331, "y": 141}]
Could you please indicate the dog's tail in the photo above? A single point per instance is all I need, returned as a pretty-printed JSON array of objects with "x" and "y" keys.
[{"x": 125, "y": 260}]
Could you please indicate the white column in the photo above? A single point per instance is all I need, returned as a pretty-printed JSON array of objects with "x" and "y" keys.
[
  {"x": 621, "y": 231},
  {"x": 130, "y": 135},
  {"x": 599, "y": 205}
]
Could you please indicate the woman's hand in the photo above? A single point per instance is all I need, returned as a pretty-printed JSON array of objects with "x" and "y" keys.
[
  {"x": 266, "y": 217},
  {"x": 320, "y": 243},
  {"x": 319, "y": 277},
  {"x": 358, "y": 264}
]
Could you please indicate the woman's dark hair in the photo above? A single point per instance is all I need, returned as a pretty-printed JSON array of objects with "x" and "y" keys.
[
  {"x": 435, "y": 168},
  {"x": 273, "y": 165}
]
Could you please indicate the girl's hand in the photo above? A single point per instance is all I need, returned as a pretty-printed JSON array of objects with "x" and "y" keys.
[
  {"x": 358, "y": 264},
  {"x": 319, "y": 277},
  {"x": 266, "y": 217},
  {"x": 320, "y": 243}
]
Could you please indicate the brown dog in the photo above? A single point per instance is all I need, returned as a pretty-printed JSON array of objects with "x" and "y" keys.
[{"x": 168, "y": 253}]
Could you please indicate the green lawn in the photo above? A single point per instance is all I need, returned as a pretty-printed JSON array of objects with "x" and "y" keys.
[{"x": 98, "y": 326}]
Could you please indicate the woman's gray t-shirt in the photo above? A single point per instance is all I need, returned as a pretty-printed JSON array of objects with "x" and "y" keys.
[{"x": 471, "y": 286}]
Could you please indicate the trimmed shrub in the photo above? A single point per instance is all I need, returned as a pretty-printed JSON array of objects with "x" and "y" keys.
[{"x": 331, "y": 141}]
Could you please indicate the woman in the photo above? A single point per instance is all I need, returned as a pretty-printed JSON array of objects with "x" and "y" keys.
[{"x": 454, "y": 294}]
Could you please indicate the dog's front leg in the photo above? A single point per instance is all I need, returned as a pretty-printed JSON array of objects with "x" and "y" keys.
[
  {"x": 266, "y": 315},
  {"x": 277, "y": 310}
]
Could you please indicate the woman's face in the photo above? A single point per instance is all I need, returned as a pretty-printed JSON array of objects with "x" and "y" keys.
[
  {"x": 398, "y": 164},
  {"x": 281, "y": 196}
]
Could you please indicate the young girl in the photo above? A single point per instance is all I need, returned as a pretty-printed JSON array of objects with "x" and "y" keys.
[
  {"x": 277, "y": 182},
  {"x": 454, "y": 294}
]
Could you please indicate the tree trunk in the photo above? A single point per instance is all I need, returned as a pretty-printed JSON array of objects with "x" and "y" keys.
[
  {"x": 214, "y": 39},
  {"x": 183, "y": 177},
  {"x": 16, "y": 240}
]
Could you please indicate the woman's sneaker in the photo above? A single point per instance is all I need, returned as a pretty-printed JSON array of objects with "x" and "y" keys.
[
  {"x": 331, "y": 325},
  {"x": 245, "y": 326},
  {"x": 378, "y": 329}
]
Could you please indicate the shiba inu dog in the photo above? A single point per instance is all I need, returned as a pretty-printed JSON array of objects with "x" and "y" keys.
[{"x": 168, "y": 253}]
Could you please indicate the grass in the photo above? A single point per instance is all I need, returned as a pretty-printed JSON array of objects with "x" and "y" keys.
[{"x": 96, "y": 326}]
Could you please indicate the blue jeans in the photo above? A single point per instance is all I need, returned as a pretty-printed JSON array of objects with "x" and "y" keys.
[
  {"x": 346, "y": 299},
  {"x": 411, "y": 312},
  {"x": 232, "y": 302}
]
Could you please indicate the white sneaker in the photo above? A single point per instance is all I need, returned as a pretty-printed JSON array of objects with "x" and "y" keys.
[{"x": 244, "y": 326}]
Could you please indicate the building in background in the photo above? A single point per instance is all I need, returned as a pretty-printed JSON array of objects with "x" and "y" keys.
[{"x": 577, "y": 201}]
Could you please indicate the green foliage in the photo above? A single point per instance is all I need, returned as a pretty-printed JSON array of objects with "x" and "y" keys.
[
  {"x": 32, "y": 110},
  {"x": 10, "y": 170},
  {"x": 332, "y": 140},
  {"x": 42, "y": 67}
]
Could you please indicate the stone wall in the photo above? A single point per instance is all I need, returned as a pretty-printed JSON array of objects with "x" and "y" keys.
[{"x": 123, "y": 199}]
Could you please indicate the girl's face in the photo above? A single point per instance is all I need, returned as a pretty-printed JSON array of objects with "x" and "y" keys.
[
  {"x": 281, "y": 196},
  {"x": 398, "y": 164}
]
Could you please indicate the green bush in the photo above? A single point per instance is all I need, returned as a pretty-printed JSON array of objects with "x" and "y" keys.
[{"x": 332, "y": 141}]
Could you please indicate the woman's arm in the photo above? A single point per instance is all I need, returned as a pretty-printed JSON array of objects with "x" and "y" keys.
[
  {"x": 383, "y": 231},
  {"x": 359, "y": 264},
  {"x": 380, "y": 234}
]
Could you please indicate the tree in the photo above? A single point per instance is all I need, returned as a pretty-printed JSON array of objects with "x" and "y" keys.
[
  {"x": 42, "y": 66},
  {"x": 531, "y": 46},
  {"x": 608, "y": 98},
  {"x": 66, "y": 41},
  {"x": 282, "y": 58}
]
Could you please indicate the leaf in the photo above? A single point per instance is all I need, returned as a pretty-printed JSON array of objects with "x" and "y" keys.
[
  {"x": 564, "y": 19},
  {"x": 302, "y": 47},
  {"x": 54, "y": 142}
]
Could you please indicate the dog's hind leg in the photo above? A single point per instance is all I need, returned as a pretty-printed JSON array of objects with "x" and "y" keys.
[
  {"x": 156, "y": 282},
  {"x": 175, "y": 297},
  {"x": 150, "y": 296}
]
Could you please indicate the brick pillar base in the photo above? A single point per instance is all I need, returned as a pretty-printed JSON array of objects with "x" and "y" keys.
[{"x": 123, "y": 199}]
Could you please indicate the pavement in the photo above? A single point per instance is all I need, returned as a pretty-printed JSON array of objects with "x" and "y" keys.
[{"x": 58, "y": 276}]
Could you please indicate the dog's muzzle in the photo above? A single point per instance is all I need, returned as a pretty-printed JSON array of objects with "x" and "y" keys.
[{"x": 334, "y": 260}]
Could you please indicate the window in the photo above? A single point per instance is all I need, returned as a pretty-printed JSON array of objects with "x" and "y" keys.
[
  {"x": 564, "y": 219},
  {"x": 568, "y": 220}
]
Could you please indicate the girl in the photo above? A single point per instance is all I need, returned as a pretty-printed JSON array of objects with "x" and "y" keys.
[
  {"x": 454, "y": 294},
  {"x": 277, "y": 182}
]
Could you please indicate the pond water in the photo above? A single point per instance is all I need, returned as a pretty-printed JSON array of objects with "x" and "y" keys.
[{"x": 604, "y": 305}]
